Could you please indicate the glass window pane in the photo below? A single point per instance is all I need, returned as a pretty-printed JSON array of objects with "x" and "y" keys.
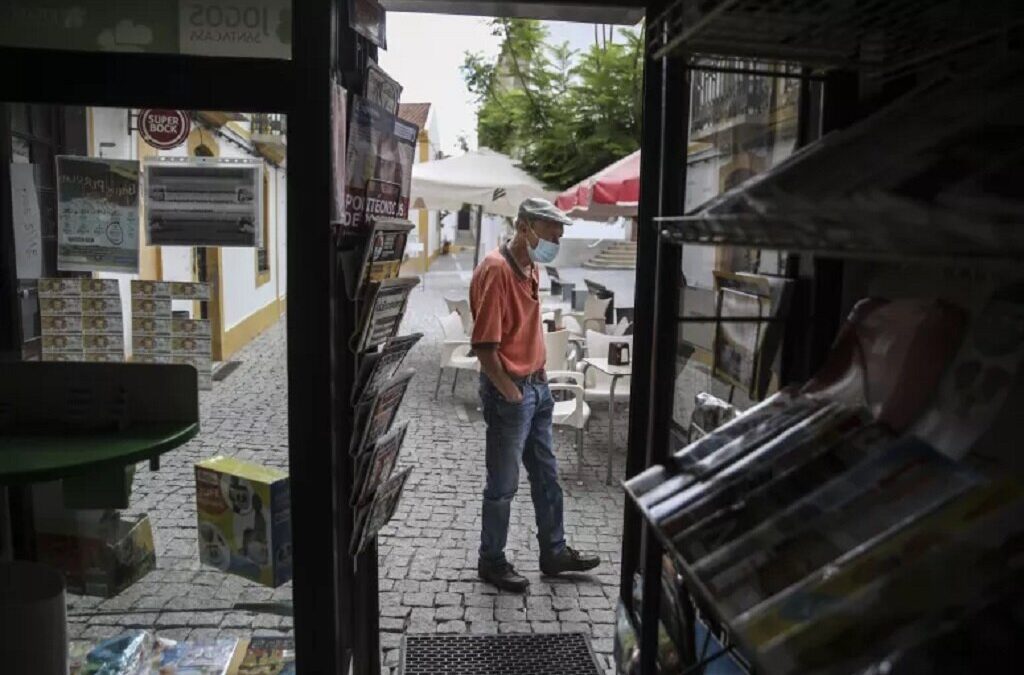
[{"x": 741, "y": 124}]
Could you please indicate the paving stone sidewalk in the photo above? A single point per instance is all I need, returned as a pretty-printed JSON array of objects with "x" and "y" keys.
[{"x": 427, "y": 554}]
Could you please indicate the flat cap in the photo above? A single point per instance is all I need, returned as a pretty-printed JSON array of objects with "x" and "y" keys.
[{"x": 537, "y": 208}]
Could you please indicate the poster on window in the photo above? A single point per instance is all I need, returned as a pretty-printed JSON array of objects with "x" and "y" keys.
[
  {"x": 376, "y": 368},
  {"x": 26, "y": 222},
  {"x": 97, "y": 215},
  {"x": 386, "y": 307},
  {"x": 204, "y": 202},
  {"x": 382, "y": 148}
]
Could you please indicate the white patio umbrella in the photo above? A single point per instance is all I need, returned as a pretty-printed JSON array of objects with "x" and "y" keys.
[{"x": 483, "y": 177}]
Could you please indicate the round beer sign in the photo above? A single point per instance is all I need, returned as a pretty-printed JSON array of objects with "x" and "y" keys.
[{"x": 164, "y": 129}]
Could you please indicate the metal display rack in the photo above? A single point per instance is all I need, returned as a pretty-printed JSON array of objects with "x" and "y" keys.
[{"x": 842, "y": 45}]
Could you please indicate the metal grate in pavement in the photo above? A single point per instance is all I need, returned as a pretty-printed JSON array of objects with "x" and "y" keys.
[{"x": 554, "y": 654}]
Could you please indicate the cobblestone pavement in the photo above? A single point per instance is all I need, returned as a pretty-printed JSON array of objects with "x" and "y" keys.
[{"x": 427, "y": 553}]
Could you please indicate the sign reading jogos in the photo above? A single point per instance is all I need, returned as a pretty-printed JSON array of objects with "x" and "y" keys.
[{"x": 258, "y": 28}]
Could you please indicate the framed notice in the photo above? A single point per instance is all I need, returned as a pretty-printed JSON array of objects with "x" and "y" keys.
[
  {"x": 379, "y": 512},
  {"x": 385, "y": 308},
  {"x": 382, "y": 148},
  {"x": 374, "y": 419},
  {"x": 204, "y": 201},
  {"x": 736, "y": 342},
  {"x": 379, "y": 367},
  {"x": 377, "y": 464},
  {"x": 97, "y": 215},
  {"x": 381, "y": 89}
]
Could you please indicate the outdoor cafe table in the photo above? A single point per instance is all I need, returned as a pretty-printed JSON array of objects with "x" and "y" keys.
[{"x": 615, "y": 372}]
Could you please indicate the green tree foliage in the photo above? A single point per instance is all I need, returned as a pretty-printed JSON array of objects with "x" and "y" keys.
[{"x": 563, "y": 116}]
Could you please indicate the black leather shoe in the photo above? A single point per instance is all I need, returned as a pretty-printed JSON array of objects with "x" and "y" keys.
[
  {"x": 503, "y": 576},
  {"x": 569, "y": 560}
]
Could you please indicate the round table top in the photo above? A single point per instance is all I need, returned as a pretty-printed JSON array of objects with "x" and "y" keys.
[{"x": 27, "y": 457}]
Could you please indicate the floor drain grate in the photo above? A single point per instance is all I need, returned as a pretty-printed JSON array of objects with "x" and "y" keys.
[
  {"x": 225, "y": 370},
  {"x": 562, "y": 653}
]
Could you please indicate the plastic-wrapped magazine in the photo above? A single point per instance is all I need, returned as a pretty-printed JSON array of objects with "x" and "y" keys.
[
  {"x": 729, "y": 443},
  {"x": 198, "y": 657},
  {"x": 267, "y": 656},
  {"x": 908, "y": 604},
  {"x": 687, "y": 458},
  {"x": 733, "y": 520},
  {"x": 801, "y": 605},
  {"x": 790, "y": 449},
  {"x": 907, "y": 479}
]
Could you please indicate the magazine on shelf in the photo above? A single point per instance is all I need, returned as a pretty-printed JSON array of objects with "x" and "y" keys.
[
  {"x": 378, "y": 367},
  {"x": 687, "y": 458},
  {"x": 381, "y": 89},
  {"x": 385, "y": 308},
  {"x": 376, "y": 464},
  {"x": 381, "y": 147},
  {"x": 374, "y": 419},
  {"x": 982, "y": 509},
  {"x": 733, "y": 520},
  {"x": 379, "y": 512},
  {"x": 792, "y": 448},
  {"x": 776, "y": 296},
  {"x": 737, "y": 343},
  {"x": 904, "y": 481},
  {"x": 908, "y": 602},
  {"x": 383, "y": 252}
]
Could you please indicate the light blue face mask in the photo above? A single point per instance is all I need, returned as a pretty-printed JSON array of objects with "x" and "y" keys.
[{"x": 545, "y": 251}]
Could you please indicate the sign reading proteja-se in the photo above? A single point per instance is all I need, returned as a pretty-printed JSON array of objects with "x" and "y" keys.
[{"x": 164, "y": 129}]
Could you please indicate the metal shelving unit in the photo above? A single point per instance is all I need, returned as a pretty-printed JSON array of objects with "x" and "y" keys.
[
  {"x": 843, "y": 44},
  {"x": 884, "y": 37}
]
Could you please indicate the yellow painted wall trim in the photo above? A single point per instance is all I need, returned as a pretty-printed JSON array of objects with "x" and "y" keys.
[
  {"x": 282, "y": 305},
  {"x": 239, "y": 129},
  {"x": 248, "y": 328},
  {"x": 215, "y": 307}
]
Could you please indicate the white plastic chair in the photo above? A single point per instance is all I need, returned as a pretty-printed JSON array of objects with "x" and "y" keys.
[
  {"x": 597, "y": 384},
  {"x": 462, "y": 308},
  {"x": 455, "y": 351},
  {"x": 591, "y": 318},
  {"x": 621, "y": 327},
  {"x": 573, "y": 411}
]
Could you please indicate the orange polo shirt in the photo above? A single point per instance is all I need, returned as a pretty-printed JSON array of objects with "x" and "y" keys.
[{"x": 506, "y": 312}]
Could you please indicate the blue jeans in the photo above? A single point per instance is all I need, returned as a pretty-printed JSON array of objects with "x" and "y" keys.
[{"x": 519, "y": 431}]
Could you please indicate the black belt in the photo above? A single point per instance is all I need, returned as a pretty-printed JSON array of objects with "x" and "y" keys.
[{"x": 536, "y": 377}]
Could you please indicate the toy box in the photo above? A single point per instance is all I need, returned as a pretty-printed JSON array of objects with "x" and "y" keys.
[
  {"x": 244, "y": 519},
  {"x": 100, "y": 557}
]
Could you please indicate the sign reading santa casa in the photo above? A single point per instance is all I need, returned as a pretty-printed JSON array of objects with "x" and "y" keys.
[{"x": 164, "y": 129}]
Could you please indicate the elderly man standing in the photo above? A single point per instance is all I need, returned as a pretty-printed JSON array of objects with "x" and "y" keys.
[{"x": 509, "y": 342}]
